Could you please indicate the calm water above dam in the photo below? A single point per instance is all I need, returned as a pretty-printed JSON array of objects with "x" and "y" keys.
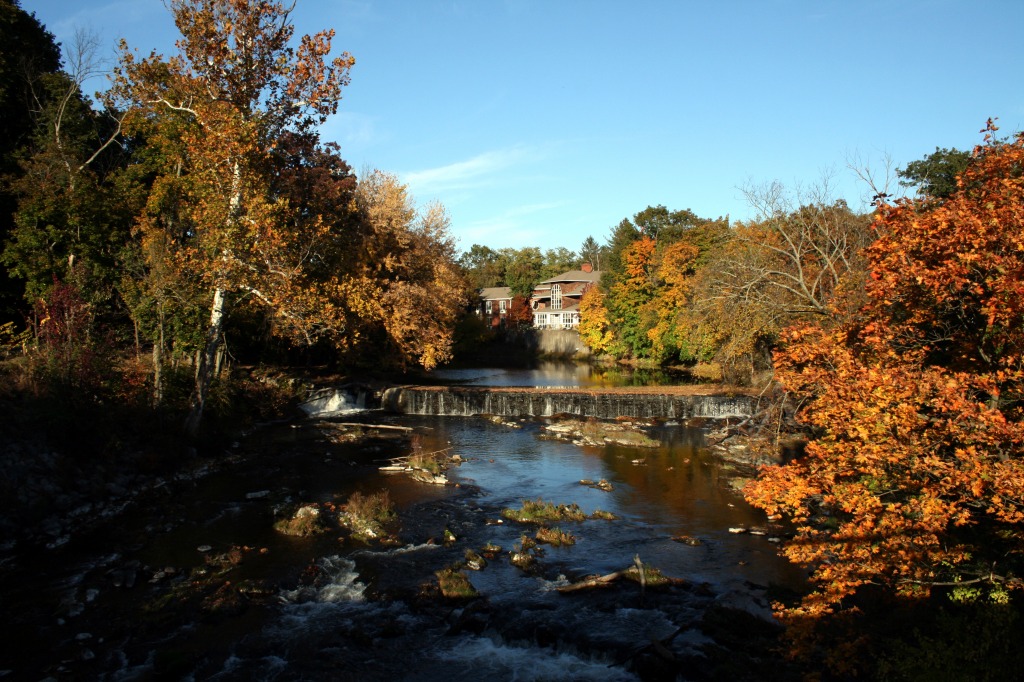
[
  {"x": 554, "y": 374},
  {"x": 106, "y": 607}
]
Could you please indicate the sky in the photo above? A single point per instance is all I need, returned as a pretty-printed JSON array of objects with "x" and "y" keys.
[{"x": 544, "y": 122}]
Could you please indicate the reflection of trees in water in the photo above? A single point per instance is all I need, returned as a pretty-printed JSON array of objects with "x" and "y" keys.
[
  {"x": 681, "y": 480},
  {"x": 628, "y": 376}
]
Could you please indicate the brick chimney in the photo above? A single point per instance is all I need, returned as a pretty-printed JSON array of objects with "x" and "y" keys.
[{"x": 587, "y": 267}]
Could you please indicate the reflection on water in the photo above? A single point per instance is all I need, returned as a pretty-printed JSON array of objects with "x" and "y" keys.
[
  {"x": 659, "y": 493},
  {"x": 555, "y": 374}
]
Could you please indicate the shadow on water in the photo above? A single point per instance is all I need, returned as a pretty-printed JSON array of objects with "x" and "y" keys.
[{"x": 135, "y": 600}]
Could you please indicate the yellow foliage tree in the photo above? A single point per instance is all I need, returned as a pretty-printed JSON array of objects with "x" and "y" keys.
[
  {"x": 595, "y": 329},
  {"x": 407, "y": 281}
]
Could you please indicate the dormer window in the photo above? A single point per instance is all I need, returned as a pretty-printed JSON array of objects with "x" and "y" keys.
[{"x": 556, "y": 296}]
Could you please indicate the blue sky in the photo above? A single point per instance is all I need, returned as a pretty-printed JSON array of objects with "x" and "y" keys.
[{"x": 543, "y": 122}]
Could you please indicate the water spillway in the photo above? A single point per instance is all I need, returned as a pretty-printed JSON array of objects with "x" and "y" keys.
[{"x": 648, "y": 402}]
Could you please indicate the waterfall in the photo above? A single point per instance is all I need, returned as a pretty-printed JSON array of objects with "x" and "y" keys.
[
  {"x": 336, "y": 401},
  {"x": 466, "y": 401}
]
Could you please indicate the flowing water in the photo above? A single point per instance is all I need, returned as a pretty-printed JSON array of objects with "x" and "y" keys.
[{"x": 127, "y": 601}]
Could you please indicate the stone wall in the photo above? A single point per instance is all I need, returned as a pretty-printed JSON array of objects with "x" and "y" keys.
[{"x": 562, "y": 342}]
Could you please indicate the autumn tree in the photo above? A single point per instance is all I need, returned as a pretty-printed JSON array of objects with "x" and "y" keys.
[
  {"x": 802, "y": 247},
  {"x": 729, "y": 322},
  {"x": 237, "y": 86},
  {"x": 405, "y": 290},
  {"x": 679, "y": 259},
  {"x": 628, "y": 297},
  {"x": 647, "y": 287},
  {"x": 914, "y": 481},
  {"x": 800, "y": 259},
  {"x": 520, "y": 314},
  {"x": 595, "y": 328}
]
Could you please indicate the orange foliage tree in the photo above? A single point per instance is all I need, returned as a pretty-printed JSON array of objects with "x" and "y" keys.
[
  {"x": 520, "y": 314},
  {"x": 675, "y": 267},
  {"x": 237, "y": 90},
  {"x": 915, "y": 477},
  {"x": 627, "y": 297}
]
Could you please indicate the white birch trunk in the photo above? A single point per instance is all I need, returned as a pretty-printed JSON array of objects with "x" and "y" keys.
[{"x": 207, "y": 360}]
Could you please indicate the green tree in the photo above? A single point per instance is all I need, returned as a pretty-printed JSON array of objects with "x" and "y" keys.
[
  {"x": 524, "y": 270},
  {"x": 28, "y": 52},
  {"x": 936, "y": 174},
  {"x": 593, "y": 253},
  {"x": 666, "y": 226},
  {"x": 70, "y": 223},
  {"x": 621, "y": 238},
  {"x": 557, "y": 261},
  {"x": 482, "y": 267},
  {"x": 627, "y": 301}
]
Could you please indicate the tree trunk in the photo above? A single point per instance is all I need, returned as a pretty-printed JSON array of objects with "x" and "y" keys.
[
  {"x": 158, "y": 361},
  {"x": 219, "y": 364},
  {"x": 207, "y": 358}
]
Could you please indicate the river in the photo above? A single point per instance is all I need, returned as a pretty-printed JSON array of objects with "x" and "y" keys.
[{"x": 193, "y": 582}]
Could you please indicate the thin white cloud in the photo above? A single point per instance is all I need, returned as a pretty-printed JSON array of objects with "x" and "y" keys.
[
  {"x": 352, "y": 130},
  {"x": 516, "y": 226},
  {"x": 475, "y": 172}
]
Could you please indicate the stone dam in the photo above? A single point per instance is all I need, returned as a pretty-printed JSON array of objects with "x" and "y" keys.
[{"x": 640, "y": 402}]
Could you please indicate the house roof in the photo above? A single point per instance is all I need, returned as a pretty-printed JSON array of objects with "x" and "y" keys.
[
  {"x": 575, "y": 276},
  {"x": 495, "y": 293},
  {"x": 568, "y": 289}
]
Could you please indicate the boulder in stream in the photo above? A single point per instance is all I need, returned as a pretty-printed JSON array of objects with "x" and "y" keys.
[{"x": 307, "y": 520}]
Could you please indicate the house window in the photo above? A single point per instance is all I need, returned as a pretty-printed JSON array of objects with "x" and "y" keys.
[
  {"x": 556, "y": 296},
  {"x": 541, "y": 320},
  {"x": 566, "y": 320},
  {"x": 501, "y": 304},
  {"x": 487, "y": 307}
]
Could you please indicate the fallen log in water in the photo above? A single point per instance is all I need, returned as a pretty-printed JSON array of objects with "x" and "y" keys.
[
  {"x": 382, "y": 427},
  {"x": 593, "y": 581},
  {"x": 647, "y": 577}
]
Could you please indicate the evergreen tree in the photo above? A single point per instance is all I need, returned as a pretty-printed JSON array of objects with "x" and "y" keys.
[{"x": 27, "y": 52}]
